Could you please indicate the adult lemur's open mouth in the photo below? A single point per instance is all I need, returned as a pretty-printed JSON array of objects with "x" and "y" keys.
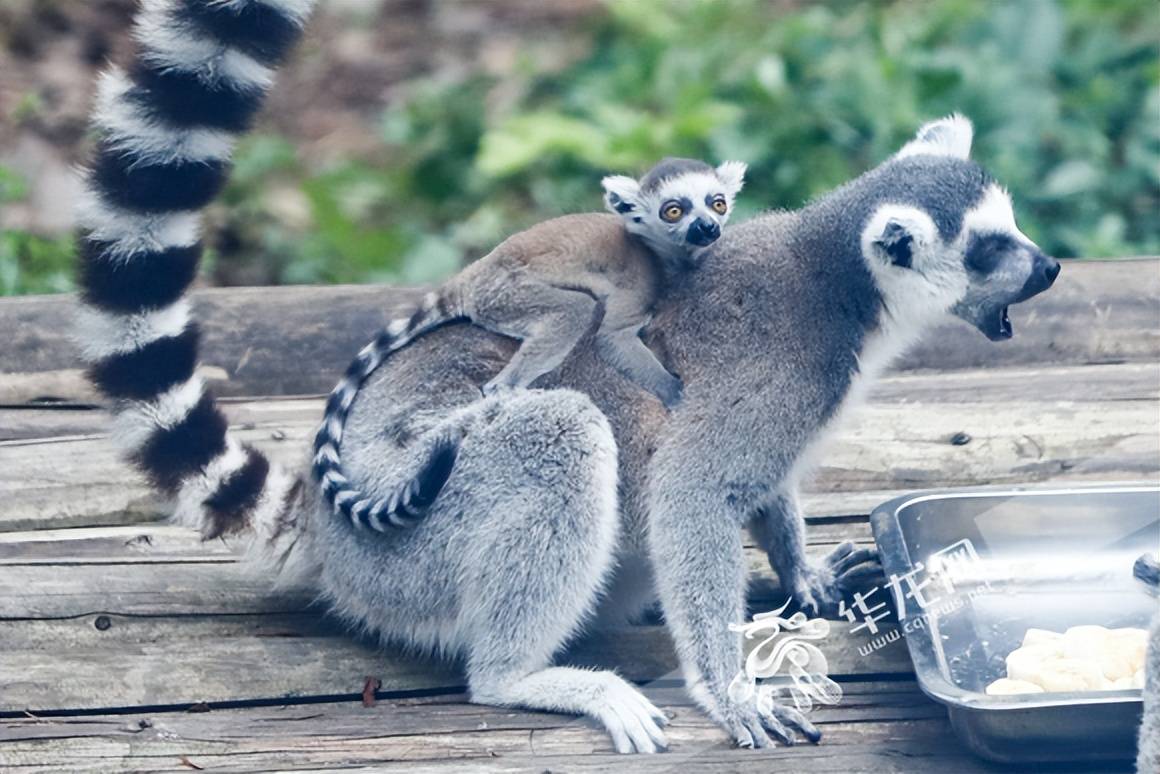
[{"x": 996, "y": 325}]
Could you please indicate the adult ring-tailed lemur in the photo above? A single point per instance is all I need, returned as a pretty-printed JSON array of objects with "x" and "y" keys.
[{"x": 585, "y": 501}]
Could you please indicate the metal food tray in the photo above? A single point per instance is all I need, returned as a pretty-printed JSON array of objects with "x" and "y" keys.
[{"x": 1043, "y": 558}]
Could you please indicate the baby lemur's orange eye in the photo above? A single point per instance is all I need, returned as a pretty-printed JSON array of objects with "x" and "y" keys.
[
  {"x": 720, "y": 206},
  {"x": 672, "y": 212}
]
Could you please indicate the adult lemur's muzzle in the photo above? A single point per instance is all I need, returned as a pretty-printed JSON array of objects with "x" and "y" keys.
[
  {"x": 703, "y": 232},
  {"x": 1044, "y": 270}
]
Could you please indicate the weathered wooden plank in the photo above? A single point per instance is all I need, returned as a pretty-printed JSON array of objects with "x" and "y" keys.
[
  {"x": 258, "y": 339},
  {"x": 1119, "y": 381},
  {"x": 171, "y": 573},
  {"x": 849, "y": 747},
  {"x": 1019, "y": 430},
  {"x": 77, "y": 481},
  {"x": 112, "y": 661},
  {"x": 24, "y": 424},
  {"x": 1080, "y": 384},
  {"x": 159, "y": 543},
  {"x": 135, "y": 544},
  {"x": 897, "y": 698},
  {"x": 444, "y": 731}
]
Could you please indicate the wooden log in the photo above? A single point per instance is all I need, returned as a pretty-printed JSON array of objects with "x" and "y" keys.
[
  {"x": 298, "y": 340},
  {"x": 1024, "y": 425}
]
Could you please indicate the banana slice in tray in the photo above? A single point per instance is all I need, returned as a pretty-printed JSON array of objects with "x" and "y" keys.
[
  {"x": 1005, "y": 686},
  {"x": 1084, "y": 658}
]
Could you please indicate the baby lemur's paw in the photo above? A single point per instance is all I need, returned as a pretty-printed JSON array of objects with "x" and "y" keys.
[
  {"x": 753, "y": 726},
  {"x": 821, "y": 588},
  {"x": 671, "y": 392},
  {"x": 495, "y": 387}
]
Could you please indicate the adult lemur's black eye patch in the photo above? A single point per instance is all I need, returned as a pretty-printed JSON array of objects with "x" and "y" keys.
[{"x": 984, "y": 251}]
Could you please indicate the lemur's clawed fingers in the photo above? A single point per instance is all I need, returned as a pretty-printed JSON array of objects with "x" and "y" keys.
[
  {"x": 638, "y": 734},
  {"x": 795, "y": 719},
  {"x": 633, "y": 722},
  {"x": 859, "y": 577},
  {"x": 777, "y": 730},
  {"x": 855, "y": 557},
  {"x": 651, "y": 710},
  {"x": 808, "y": 603},
  {"x": 752, "y": 727},
  {"x": 749, "y": 733}
]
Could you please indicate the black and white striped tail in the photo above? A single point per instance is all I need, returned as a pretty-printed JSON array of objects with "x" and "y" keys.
[
  {"x": 405, "y": 506},
  {"x": 166, "y": 127}
]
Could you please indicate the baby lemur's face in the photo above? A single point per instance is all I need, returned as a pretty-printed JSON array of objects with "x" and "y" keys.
[{"x": 679, "y": 206}]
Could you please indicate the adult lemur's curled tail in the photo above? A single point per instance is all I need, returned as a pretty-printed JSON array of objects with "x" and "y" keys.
[{"x": 166, "y": 128}]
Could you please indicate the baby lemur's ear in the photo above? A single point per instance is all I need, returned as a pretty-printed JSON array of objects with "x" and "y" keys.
[
  {"x": 732, "y": 175},
  {"x": 621, "y": 194}
]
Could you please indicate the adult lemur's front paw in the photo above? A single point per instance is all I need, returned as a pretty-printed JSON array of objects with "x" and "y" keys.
[
  {"x": 752, "y": 726},
  {"x": 820, "y": 588}
]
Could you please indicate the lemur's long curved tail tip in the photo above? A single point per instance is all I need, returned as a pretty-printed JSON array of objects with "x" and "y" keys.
[{"x": 166, "y": 127}]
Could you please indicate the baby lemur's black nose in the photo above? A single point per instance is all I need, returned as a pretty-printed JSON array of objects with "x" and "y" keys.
[{"x": 703, "y": 232}]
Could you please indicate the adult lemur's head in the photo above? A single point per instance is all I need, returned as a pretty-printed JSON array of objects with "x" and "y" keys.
[
  {"x": 678, "y": 207},
  {"x": 940, "y": 232}
]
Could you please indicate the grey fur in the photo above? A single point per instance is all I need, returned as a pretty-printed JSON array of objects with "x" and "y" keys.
[
  {"x": 544, "y": 287},
  {"x": 1148, "y": 752},
  {"x": 1147, "y": 570},
  {"x": 587, "y": 501},
  {"x": 671, "y": 167}
]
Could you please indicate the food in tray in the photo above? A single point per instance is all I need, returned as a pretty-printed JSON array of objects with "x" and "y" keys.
[{"x": 1084, "y": 658}]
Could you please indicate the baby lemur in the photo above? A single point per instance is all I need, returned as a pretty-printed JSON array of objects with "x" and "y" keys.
[{"x": 544, "y": 286}]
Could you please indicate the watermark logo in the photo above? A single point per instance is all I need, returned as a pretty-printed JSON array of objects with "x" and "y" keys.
[{"x": 786, "y": 650}]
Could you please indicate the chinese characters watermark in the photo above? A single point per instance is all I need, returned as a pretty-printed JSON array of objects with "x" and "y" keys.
[{"x": 930, "y": 585}]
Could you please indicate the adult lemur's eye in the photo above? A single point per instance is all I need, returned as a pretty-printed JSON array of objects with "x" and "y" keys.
[
  {"x": 720, "y": 206},
  {"x": 672, "y": 212}
]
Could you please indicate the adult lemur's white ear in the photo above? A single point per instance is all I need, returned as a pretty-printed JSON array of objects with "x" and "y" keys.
[
  {"x": 732, "y": 175},
  {"x": 898, "y": 235},
  {"x": 950, "y": 136},
  {"x": 621, "y": 194}
]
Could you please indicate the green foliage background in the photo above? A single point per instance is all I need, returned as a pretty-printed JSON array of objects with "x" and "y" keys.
[{"x": 1065, "y": 96}]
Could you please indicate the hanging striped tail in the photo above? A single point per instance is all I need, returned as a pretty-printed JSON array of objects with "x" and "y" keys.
[
  {"x": 166, "y": 127},
  {"x": 405, "y": 506}
]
